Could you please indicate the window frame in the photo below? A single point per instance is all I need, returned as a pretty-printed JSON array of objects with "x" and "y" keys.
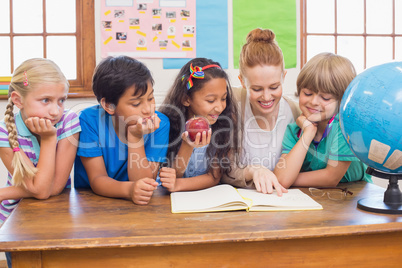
[
  {"x": 85, "y": 43},
  {"x": 304, "y": 34}
]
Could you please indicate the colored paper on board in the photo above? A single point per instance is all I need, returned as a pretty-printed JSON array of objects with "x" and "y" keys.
[
  {"x": 212, "y": 34},
  {"x": 279, "y": 16},
  {"x": 148, "y": 29}
]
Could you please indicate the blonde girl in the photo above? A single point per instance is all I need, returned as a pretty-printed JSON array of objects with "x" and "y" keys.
[{"x": 39, "y": 142}]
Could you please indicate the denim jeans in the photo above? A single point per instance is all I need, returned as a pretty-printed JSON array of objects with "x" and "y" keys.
[{"x": 8, "y": 257}]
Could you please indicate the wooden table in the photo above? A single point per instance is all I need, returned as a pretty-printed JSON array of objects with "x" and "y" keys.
[{"x": 81, "y": 229}]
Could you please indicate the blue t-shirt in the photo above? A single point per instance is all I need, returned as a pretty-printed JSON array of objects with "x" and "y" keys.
[{"x": 99, "y": 138}]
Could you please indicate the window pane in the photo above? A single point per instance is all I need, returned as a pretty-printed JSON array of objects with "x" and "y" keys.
[
  {"x": 23, "y": 51},
  {"x": 27, "y": 16},
  {"x": 379, "y": 17},
  {"x": 62, "y": 50},
  {"x": 379, "y": 50},
  {"x": 398, "y": 16},
  {"x": 5, "y": 66},
  {"x": 60, "y": 16},
  {"x": 350, "y": 17},
  {"x": 398, "y": 48},
  {"x": 352, "y": 47},
  {"x": 320, "y": 16},
  {"x": 4, "y": 16},
  {"x": 318, "y": 44}
]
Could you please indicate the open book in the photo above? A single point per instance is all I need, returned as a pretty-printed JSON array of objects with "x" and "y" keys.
[{"x": 225, "y": 197}]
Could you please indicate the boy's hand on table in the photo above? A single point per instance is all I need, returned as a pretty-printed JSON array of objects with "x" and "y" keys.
[
  {"x": 142, "y": 191},
  {"x": 168, "y": 178}
]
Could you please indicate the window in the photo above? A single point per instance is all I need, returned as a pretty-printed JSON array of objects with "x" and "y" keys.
[
  {"x": 368, "y": 32},
  {"x": 61, "y": 30}
]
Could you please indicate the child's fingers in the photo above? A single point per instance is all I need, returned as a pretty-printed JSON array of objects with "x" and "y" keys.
[
  {"x": 49, "y": 124},
  {"x": 209, "y": 136},
  {"x": 150, "y": 125},
  {"x": 204, "y": 138},
  {"x": 184, "y": 135},
  {"x": 167, "y": 184},
  {"x": 36, "y": 123},
  {"x": 156, "y": 120},
  {"x": 29, "y": 123},
  {"x": 143, "y": 199},
  {"x": 166, "y": 177},
  {"x": 149, "y": 184},
  {"x": 42, "y": 123},
  {"x": 168, "y": 171},
  {"x": 197, "y": 138}
]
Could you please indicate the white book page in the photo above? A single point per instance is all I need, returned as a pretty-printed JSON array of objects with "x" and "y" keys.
[
  {"x": 293, "y": 199},
  {"x": 207, "y": 200}
]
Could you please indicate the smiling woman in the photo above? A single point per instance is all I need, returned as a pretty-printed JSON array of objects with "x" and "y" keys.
[
  {"x": 59, "y": 30},
  {"x": 264, "y": 113}
]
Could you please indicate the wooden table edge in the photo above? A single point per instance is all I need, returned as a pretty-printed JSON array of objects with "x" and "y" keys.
[{"x": 138, "y": 241}]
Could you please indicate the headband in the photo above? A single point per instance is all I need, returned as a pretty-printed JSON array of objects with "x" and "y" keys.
[{"x": 197, "y": 72}]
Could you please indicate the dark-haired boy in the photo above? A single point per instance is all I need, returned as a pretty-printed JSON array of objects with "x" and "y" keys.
[{"x": 123, "y": 138}]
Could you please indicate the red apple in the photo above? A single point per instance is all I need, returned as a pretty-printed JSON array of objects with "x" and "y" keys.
[{"x": 196, "y": 125}]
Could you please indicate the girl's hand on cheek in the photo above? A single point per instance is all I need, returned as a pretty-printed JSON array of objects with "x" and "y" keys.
[
  {"x": 40, "y": 126},
  {"x": 200, "y": 139}
]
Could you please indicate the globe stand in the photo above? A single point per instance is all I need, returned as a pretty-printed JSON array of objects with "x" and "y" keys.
[{"x": 391, "y": 203}]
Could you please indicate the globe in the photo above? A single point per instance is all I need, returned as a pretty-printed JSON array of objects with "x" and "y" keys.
[{"x": 371, "y": 117}]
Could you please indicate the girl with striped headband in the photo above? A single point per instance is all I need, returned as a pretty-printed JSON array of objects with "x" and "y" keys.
[{"x": 201, "y": 89}]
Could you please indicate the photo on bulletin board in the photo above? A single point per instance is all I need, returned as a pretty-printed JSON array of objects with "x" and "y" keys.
[{"x": 149, "y": 28}]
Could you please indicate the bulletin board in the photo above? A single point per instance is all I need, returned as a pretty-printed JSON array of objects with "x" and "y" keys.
[
  {"x": 212, "y": 34},
  {"x": 148, "y": 28}
]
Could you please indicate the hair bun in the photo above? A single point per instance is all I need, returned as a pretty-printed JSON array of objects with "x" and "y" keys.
[{"x": 261, "y": 35}]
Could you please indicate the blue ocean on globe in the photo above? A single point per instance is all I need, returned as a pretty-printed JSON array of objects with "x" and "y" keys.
[{"x": 371, "y": 117}]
